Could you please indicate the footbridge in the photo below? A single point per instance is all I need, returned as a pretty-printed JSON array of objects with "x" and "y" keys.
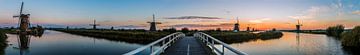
[{"x": 179, "y": 44}]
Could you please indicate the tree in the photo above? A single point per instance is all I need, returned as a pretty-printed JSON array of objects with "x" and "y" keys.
[
  {"x": 218, "y": 29},
  {"x": 185, "y": 30}
]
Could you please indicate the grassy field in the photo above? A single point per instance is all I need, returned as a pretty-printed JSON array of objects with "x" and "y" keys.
[
  {"x": 142, "y": 37},
  {"x": 145, "y": 37},
  {"x": 239, "y": 37}
]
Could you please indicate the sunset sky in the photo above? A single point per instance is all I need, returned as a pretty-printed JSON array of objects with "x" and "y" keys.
[{"x": 194, "y": 14}]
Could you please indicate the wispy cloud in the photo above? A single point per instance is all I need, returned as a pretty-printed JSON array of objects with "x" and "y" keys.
[
  {"x": 311, "y": 13},
  {"x": 357, "y": 12},
  {"x": 193, "y": 17},
  {"x": 259, "y": 20},
  {"x": 200, "y": 25}
]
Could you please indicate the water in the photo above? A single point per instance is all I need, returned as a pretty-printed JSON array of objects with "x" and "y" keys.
[
  {"x": 293, "y": 44},
  {"x": 59, "y": 43}
]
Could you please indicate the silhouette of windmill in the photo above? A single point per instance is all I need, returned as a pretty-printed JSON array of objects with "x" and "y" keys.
[
  {"x": 94, "y": 24},
  {"x": 153, "y": 24},
  {"x": 236, "y": 26},
  {"x": 298, "y": 25},
  {"x": 23, "y": 19}
]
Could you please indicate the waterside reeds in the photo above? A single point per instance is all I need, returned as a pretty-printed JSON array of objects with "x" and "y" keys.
[
  {"x": 239, "y": 37},
  {"x": 141, "y": 37}
]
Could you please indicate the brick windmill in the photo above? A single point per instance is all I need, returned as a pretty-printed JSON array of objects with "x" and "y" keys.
[
  {"x": 24, "y": 22},
  {"x": 298, "y": 25},
  {"x": 153, "y": 24}
]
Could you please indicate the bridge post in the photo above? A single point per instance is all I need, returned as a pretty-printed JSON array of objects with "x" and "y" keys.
[
  {"x": 151, "y": 49},
  {"x": 207, "y": 40},
  {"x": 223, "y": 50},
  {"x": 163, "y": 42},
  {"x": 212, "y": 48}
]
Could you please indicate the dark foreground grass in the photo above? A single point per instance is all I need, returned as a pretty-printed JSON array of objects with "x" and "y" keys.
[
  {"x": 3, "y": 42},
  {"x": 351, "y": 40}
]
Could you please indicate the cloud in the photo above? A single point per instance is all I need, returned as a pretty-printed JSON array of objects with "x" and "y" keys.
[
  {"x": 311, "y": 13},
  {"x": 200, "y": 25},
  {"x": 193, "y": 17},
  {"x": 357, "y": 12},
  {"x": 259, "y": 20},
  {"x": 130, "y": 26}
]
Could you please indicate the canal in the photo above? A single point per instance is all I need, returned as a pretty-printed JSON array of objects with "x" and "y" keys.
[
  {"x": 59, "y": 43},
  {"x": 293, "y": 44}
]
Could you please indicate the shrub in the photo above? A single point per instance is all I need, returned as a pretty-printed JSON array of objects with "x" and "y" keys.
[
  {"x": 335, "y": 30},
  {"x": 352, "y": 38}
]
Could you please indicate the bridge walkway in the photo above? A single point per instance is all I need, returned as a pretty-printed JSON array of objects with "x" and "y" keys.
[{"x": 188, "y": 45}]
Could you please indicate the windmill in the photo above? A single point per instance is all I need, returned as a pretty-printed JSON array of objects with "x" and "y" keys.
[
  {"x": 236, "y": 26},
  {"x": 298, "y": 25},
  {"x": 24, "y": 23},
  {"x": 94, "y": 24},
  {"x": 23, "y": 19},
  {"x": 249, "y": 26},
  {"x": 153, "y": 24}
]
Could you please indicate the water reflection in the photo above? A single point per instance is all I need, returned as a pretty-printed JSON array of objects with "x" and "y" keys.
[
  {"x": 59, "y": 43},
  {"x": 23, "y": 42},
  {"x": 293, "y": 44}
]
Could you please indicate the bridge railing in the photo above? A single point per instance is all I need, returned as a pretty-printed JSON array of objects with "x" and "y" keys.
[
  {"x": 210, "y": 42},
  {"x": 164, "y": 42}
]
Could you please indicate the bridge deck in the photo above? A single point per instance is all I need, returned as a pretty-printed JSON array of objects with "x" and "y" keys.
[{"x": 188, "y": 46}]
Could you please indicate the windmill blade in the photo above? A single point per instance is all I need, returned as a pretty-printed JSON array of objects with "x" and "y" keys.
[{"x": 16, "y": 16}]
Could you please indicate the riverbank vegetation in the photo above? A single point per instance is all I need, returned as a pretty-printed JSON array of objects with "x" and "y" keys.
[
  {"x": 141, "y": 37},
  {"x": 351, "y": 40},
  {"x": 3, "y": 42},
  {"x": 335, "y": 30},
  {"x": 239, "y": 37}
]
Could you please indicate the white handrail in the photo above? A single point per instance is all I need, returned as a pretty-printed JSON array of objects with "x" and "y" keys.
[
  {"x": 207, "y": 38},
  {"x": 169, "y": 39}
]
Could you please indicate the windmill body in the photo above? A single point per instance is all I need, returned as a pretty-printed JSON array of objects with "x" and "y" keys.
[
  {"x": 236, "y": 26},
  {"x": 153, "y": 24},
  {"x": 94, "y": 24},
  {"x": 298, "y": 26}
]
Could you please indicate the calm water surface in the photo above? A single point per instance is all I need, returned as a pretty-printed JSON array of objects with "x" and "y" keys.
[
  {"x": 59, "y": 43},
  {"x": 293, "y": 44}
]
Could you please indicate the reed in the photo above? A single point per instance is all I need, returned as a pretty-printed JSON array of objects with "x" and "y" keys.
[
  {"x": 128, "y": 36},
  {"x": 239, "y": 37}
]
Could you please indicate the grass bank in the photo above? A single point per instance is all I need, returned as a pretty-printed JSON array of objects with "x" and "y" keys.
[
  {"x": 141, "y": 37},
  {"x": 239, "y": 37},
  {"x": 3, "y": 42},
  {"x": 351, "y": 40}
]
